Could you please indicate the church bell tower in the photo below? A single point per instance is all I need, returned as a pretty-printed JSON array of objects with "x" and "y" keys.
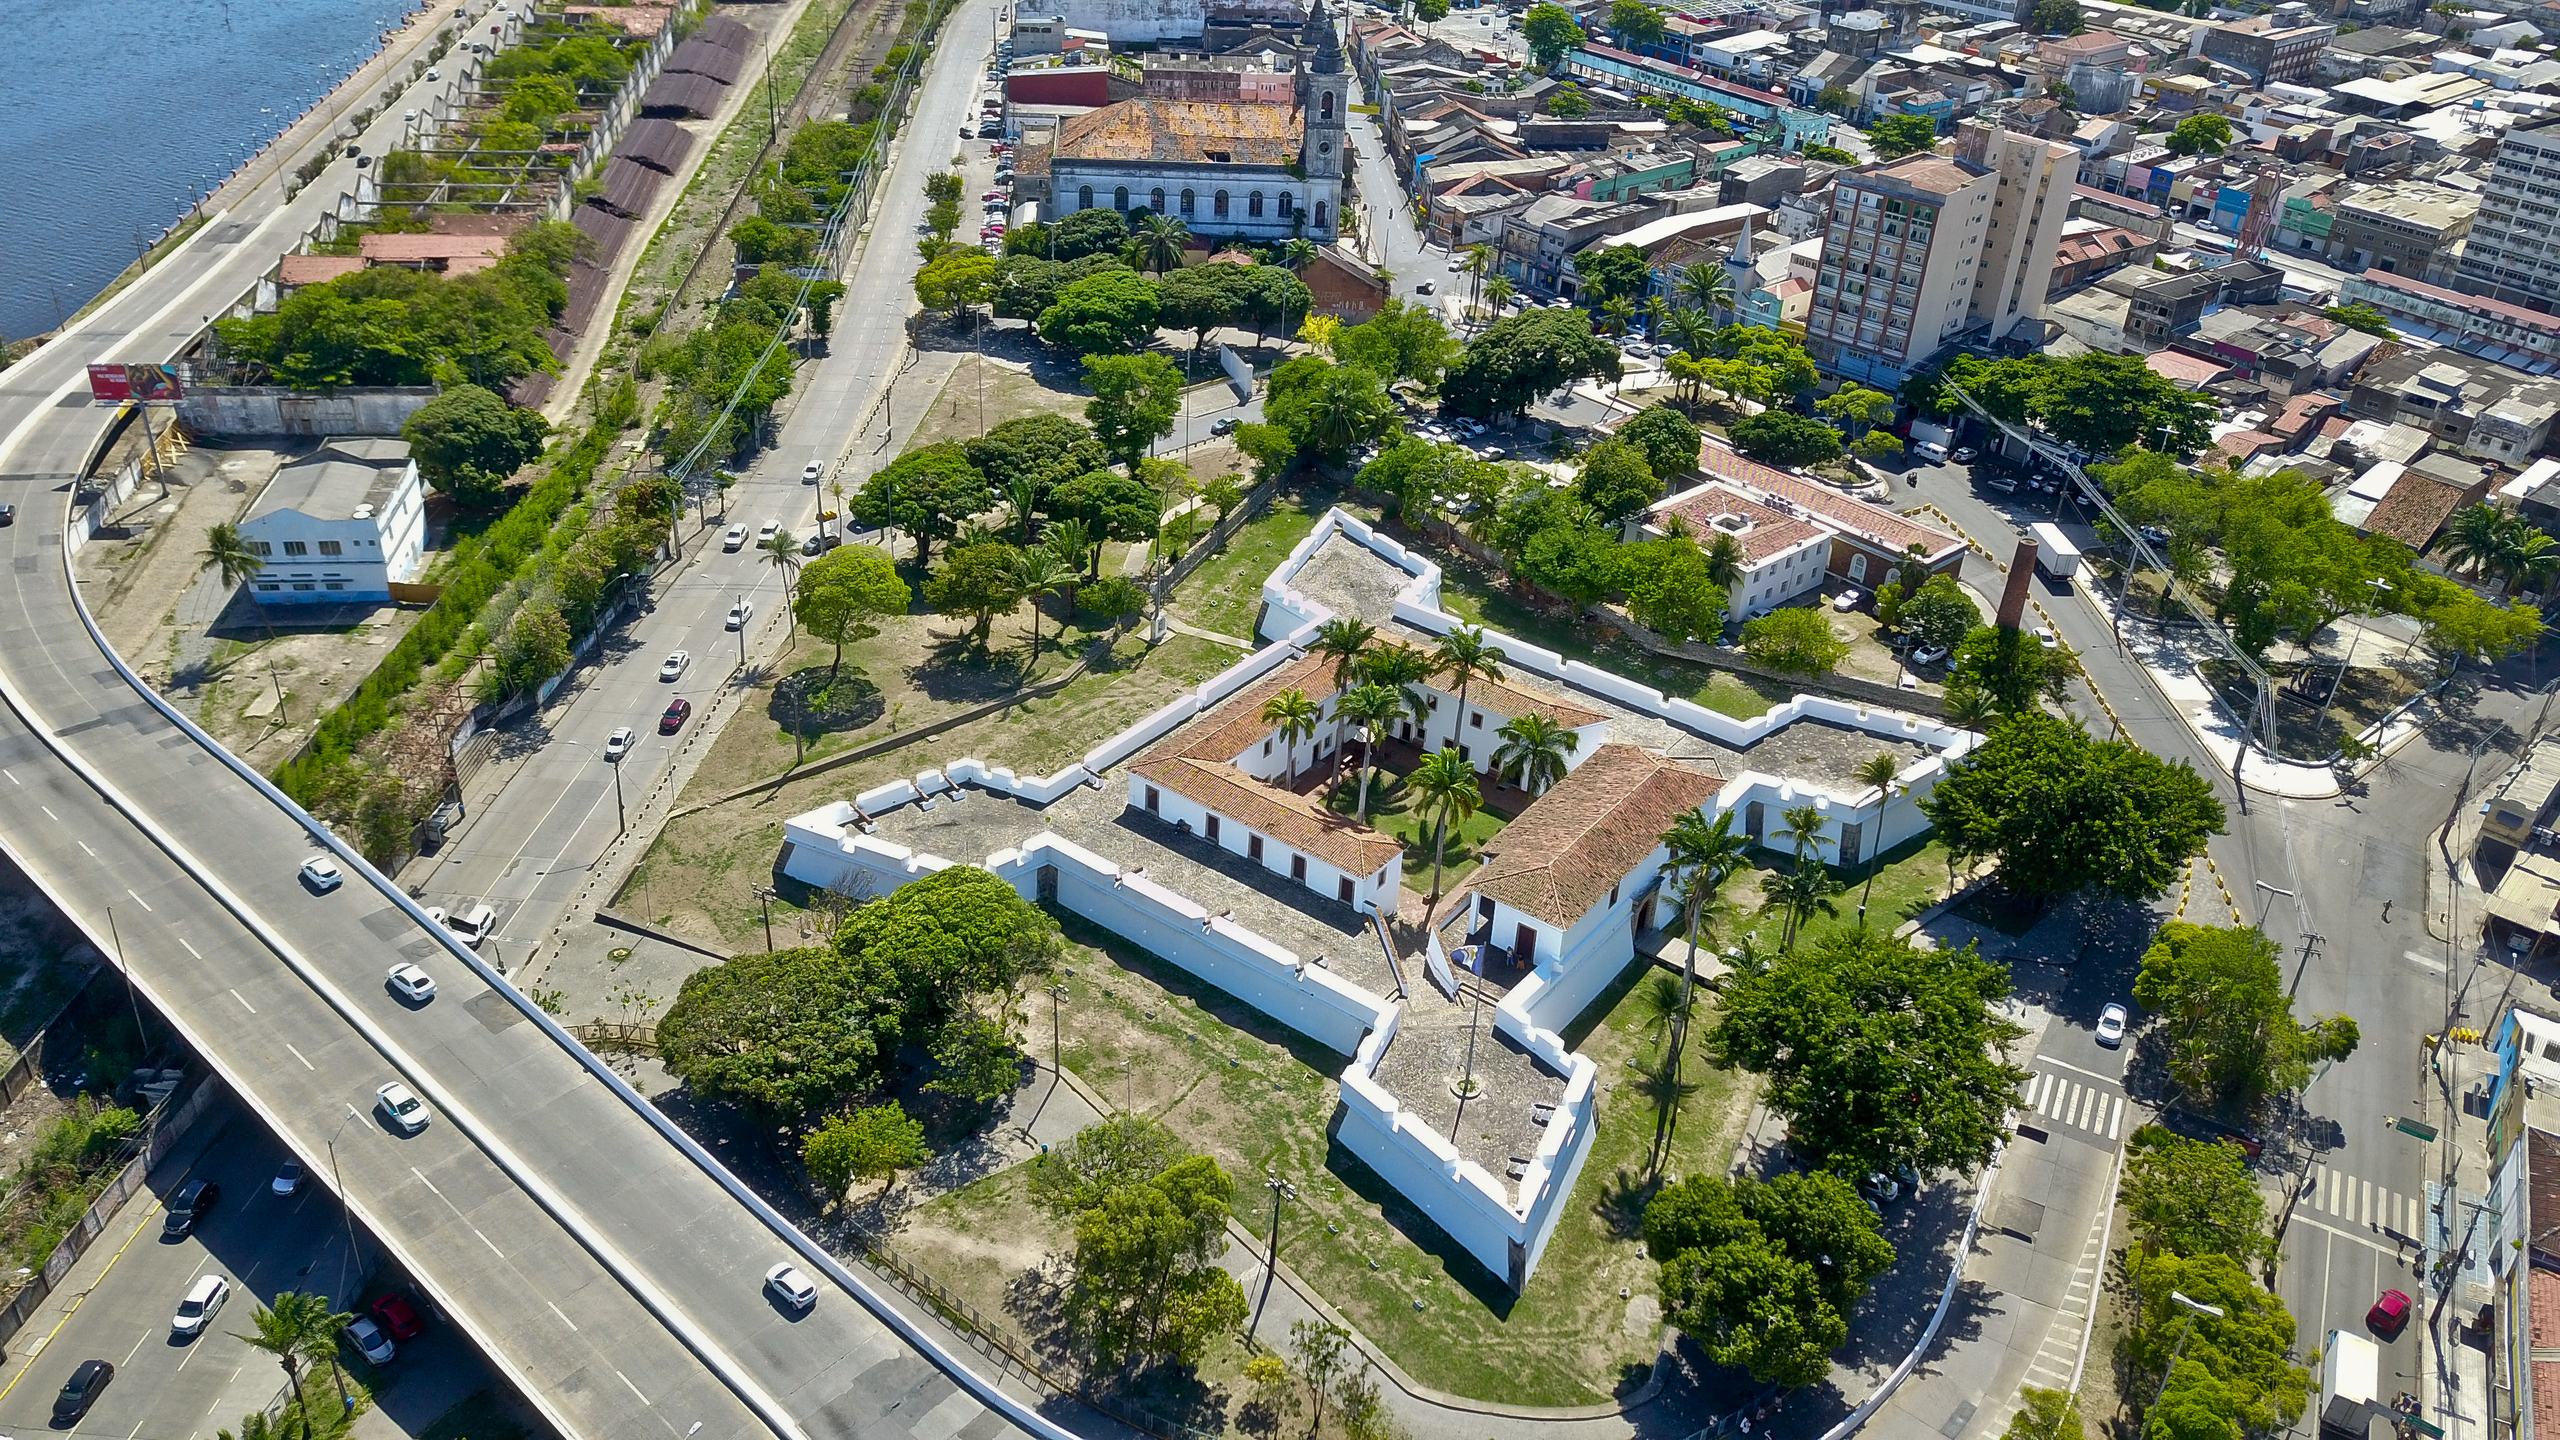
[{"x": 1324, "y": 100}]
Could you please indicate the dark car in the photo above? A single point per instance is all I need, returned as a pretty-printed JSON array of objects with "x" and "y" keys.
[
  {"x": 82, "y": 1391},
  {"x": 398, "y": 1316},
  {"x": 677, "y": 714},
  {"x": 1225, "y": 425},
  {"x": 192, "y": 1203},
  {"x": 8, "y": 514}
]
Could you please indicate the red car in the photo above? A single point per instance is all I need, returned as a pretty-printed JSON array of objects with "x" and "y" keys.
[
  {"x": 2388, "y": 1314},
  {"x": 677, "y": 713},
  {"x": 399, "y": 1317}
]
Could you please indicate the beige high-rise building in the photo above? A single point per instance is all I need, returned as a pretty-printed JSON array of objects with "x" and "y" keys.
[{"x": 1930, "y": 247}]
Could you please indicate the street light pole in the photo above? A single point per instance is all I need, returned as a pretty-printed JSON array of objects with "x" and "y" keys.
[
  {"x": 764, "y": 897},
  {"x": 1280, "y": 1190},
  {"x": 2194, "y": 1308}
]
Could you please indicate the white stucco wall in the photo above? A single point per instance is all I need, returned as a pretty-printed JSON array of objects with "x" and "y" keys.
[{"x": 1177, "y": 809}]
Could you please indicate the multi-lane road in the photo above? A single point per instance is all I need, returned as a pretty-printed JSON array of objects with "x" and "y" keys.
[{"x": 609, "y": 1269}]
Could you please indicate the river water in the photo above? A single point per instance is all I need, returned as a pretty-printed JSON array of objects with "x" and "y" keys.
[{"x": 115, "y": 117}]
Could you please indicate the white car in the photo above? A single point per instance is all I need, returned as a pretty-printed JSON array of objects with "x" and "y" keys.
[
  {"x": 1928, "y": 654},
  {"x": 734, "y": 538},
  {"x": 401, "y": 1106},
  {"x": 433, "y": 74},
  {"x": 672, "y": 668},
  {"x": 790, "y": 1286},
  {"x": 2111, "y": 1026},
  {"x": 1845, "y": 601},
  {"x": 321, "y": 874},
  {"x": 618, "y": 744},
  {"x": 1929, "y": 450},
  {"x": 413, "y": 984},
  {"x": 2046, "y": 638},
  {"x": 473, "y": 925},
  {"x": 203, "y": 1302},
  {"x": 369, "y": 1338},
  {"x": 766, "y": 531},
  {"x": 740, "y": 614},
  {"x": 810, "y": 472}
]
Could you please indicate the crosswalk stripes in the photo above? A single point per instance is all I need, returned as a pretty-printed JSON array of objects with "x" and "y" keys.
[
  {"x": 2059, "y": 1355},
  {"x": 2081, "y": 1107},
  {"x": 2350, "y": 1200}
]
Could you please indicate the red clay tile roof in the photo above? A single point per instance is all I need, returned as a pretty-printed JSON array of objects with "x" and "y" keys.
[
  {"x": 2179, "y": 365},
  {"x": 1183, "y": 131},
  {"x": 2241, "y": 445},
  {"x": 1833, "y": 511},
  {"x": 2415, "y": 510},
  {"x": 316, "y": 269},
  {"x": 1583, "y": 837},
  {"x": 412, "y": 249},
  {"x": 1510, "y": 700},
  {"x": 1771, "y": 533},
  {"x": 1195, "y": 762}
]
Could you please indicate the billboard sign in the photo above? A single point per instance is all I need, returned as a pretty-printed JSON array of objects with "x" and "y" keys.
[{"x": 134, "y": 382}]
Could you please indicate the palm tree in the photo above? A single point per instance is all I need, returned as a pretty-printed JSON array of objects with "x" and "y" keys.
[
  {"x": 1704, "y": 285},
  {"x": 320, "y": 1343},
  {"x": 253, "y": 1426},
  {"x": 1656, "y": 310},
  {"x": 1161, "y": 241},
  {"x": 1372, "y": 707},
  {"x": 2470, "y": 538},
  {"x": 1498, "y": 292},
  {"x": 1039, "y": 571},
  {"x": 783, "y": 554},
  {"x": 1617, "y": 313},
  {"x": 1466, "y": 655},
  {"x": 1725, "y": 562},
  {"x": 1479, "y": 260},
  {"x": 2529, "y": 559},
  {"x": 1403, "y": 669},
  {"x": 1658, "y": 1080},
  {"x": 1690, "y": 327},
  {"x": 1800, "y": 892},
  {"x": 1297, "y": 716},
  {"x": 1663, "y": 1008},
  {"x": 1803, "y": 829},
  {"x": 1706, "y": 853},
  {"x": 1071, "y": 540},
  {"x": 284, "y": 1331},
  {"x": 1970, "y": 708},
  {"x": 1021, "y": 499},
  {"x": 1445, "y": 784},
  {"x": 230, "y": 555},
  {"x": 1341, "y": 640},
  {"x": 1532, "y": 752},
  {"x": 1878, "y": 771},
  {"x": 1298, "y": 254}
]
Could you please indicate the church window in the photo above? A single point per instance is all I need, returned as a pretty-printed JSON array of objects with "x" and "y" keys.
[
  {"x": 1155, "y": 199},
  {"x": 1120, "y": 198},
  {"x": 1186, "y": 202},
  {"x": 1319, "y": 214},
  {"x": 1084, "y": 198},
  {"x": 1326, "y": 110},
  {"x": 1253, "y": 205},
  {"x": 1218, "y": 204},
  {"x": 1286, "y": 205}
]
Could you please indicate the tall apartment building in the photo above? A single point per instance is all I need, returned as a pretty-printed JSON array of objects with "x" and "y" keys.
[
  {"x": 1930, "y": 247},
  {"x": 2512, "y": 254},
  {"x": 2267, "y": 50}
]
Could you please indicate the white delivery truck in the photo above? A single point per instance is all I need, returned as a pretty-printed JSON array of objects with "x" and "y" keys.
[
  {"x": 2055, "y": 554},
  {"x": 2350, "y": 1381}
]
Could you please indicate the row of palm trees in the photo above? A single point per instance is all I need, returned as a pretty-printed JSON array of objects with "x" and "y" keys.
[
  {"x": 1162, "y": 240},
  {"x": 1688, "y": 315},
  {"x": 299, "y": 1331}
]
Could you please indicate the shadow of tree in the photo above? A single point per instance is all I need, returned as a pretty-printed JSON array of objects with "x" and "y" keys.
[{"x": 811, "y": 704}]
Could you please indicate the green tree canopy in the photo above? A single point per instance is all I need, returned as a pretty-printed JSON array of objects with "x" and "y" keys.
[
  {"x": 1880, "y": 1055},
  {"x": 1635, "y": 23},
  {"x": 1100, "y": 230},
  {"x": 1940, "y": 613},
  {"x": 788, "y": 1034},
  {"x": 1896, "y": 135},
  {"x": 1326, "y": 408},
  {"x": 2198, "y": 134},
  {"x": 2233, "y": 1038},
  {"x": 2358, "y": 315},
  {"x": 2234, "y": 1374},
  {"x": 1782, "y": 437},
  {"x": 840, "y": 593},
  {"x": 1520, "y": 357},
  {"x": 1762, "y": 1275},
  {"x": 1794, "y": 637},
  {"x": 928, "y": 493},
  {"x": 1400, "y": 342},
  {"x": 2193, "y": 1197},
  {"x": 1042, "y": 452},
  {"x": 1671, "y": 589},
  {"x": 1667, "y": 438},
  {"x": 1113, "y": 505},
  {"x": 1027, "y": 286},
  {"x": 1147, "y": 1280},
  {"x": 2057, "y": 17},
  {"x": 1111, "y": 312},
  {"x": 957, "y": 281},
  {"x": 2062, "y": 812},
  {"x": 1614, "y": 272},
  {"x": 1112, "y": 1153},
  {"x": 1616, "y": 479},
  {"x": 1135, "y": 400},
  {"x": 872, "y": 1142},
  {"x": 976, "y": 581},
  {"x": 1551, "y": 31},
  {"x": 467, "y": 442},
  {"x": 1203, "y": 298}
]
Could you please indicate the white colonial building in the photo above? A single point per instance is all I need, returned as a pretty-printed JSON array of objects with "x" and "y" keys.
[
  {"x": 1254, "y": 171},
  {"x": 343, "y": 524}
]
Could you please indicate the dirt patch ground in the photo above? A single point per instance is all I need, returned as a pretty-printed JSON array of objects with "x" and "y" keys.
[{"x": 1258, "y": 1097}]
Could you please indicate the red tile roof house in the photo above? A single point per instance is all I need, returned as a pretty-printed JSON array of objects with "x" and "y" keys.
[{"x": 1795, "y": 533}]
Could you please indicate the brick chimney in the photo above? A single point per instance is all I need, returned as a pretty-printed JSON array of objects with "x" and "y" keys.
[{"x": 2013, "y": 600}]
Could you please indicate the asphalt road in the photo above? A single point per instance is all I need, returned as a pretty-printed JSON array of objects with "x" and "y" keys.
[
  {"x": 167, "y": 1384},
  {"x": 605, "y": 1270}
]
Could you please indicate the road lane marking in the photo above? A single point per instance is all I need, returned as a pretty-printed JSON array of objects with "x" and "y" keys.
[
  {"x": 2115, "y": 1118},
  {"x": 307, "y": 1065},
  {"x": 245, "y": 1005},
  {"x": 485, "y": 1240},
  {"x": 564, "y": 1318},
  {"x": 13, "y": 779},
  {"x": 2078, "y": 1070},
  {"x": 84, "y": 848},
  {"x": 2367, "y": 1241},
  {"x": 49, "y": 815},
  {"x": 430, "y": 1184},
  {"x": 137, "y": 899},
  {"x": 27, "y": 1357},
  {"x": 192, "y": 951},
  {"x": 625, "y": 1379}
]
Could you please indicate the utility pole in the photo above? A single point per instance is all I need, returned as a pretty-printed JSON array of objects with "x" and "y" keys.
[
  {"x": 764, "y": 897},
  {"x": 1280, "y": 1190},
  {"x": 2194, "y": 1308}
]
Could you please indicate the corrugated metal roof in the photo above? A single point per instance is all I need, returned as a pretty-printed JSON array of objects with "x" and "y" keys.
[
  {"x": 696, "y": 96},
  {"x": 727, "y": 33},
  {"x": 695, "y": 57},
  {"x": 659, "y": 144},
  {"x": 628, "y": 188}
]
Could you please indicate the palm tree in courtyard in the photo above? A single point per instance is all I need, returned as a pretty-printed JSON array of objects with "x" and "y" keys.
[
  {"x": 1444, "y": 785},
  {"x": 1466, "y": 656},
  {"x": 1040, "y": 571},
  {"x": 1372, "y": 707},
  {"x": 1161, "y": 241},
  {"x": 1341, "y": 640},
  {"x": 1705, "y": 853},
  {"x": 1403, "y": 669},
  {"x": 1724, "y": 562},
  {"x": 1802, "y": 830},
  {"x": 1877, "y": 771},
  {"x": 1799, "y": 893},
  {"x": 1298, "y": 717},
  {"x": 1532, "y": 752}
]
